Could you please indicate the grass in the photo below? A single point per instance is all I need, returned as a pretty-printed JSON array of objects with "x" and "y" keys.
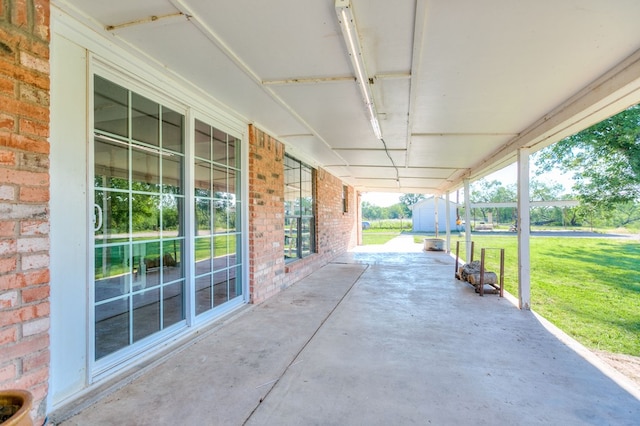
[
  {"x": 378, "y": 236},
  {"x": 588, "y": 287}
]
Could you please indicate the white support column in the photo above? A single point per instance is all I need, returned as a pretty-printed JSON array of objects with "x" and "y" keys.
[
  {"x": 467, "y": 218},
  {"x": 435, "y": 214},
  {"x": 524, "y": 254},
  {"x": 447, "y": 222}
]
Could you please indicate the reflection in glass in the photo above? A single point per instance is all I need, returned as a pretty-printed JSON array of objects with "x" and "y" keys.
[
  {"x": 111, "y": 163},
  {"x": 203, "y": 294},
  {"x": 112, "y": 272},
  {"x": 145, "y": 120},
  {"x": 145, "y": 216},
  {"x": 146, "y": 265},
  {"x": 203, "y": 140},
  {"x": 110, "y": 107},
  {"x": 111, "y": 326},
  {"x": 145, "y": 173},
  {"x": 173, "y": 303},
  {"x": 203, "y": 182},
  {"x": 172, "y": 261},
  {"x": 219, "y": 147},
  {"x": 220, "y": 287},
  {"x": 203, "y": 216},
  {"x": 111, "y": 211},
  {"x": 172, "y": 175},
  {"x": 146, "y": 313},
  {"x": 171, "y": 215},
  {"x": 204, "y": 256},
  {"x": 172, "y": 130},
  {"x": 232, "y": 145}
]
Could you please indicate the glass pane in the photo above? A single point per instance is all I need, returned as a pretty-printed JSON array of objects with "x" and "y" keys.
[
  {"x": 220, "y": 216},
  {"x": 233, "y": 148},
  {"x": 203, "y": 182},
  {"x": 291, "y": 237},
  {"x": 111, "y": 164},
  {"x": 231, "y": 216},
  {"x": 219, "y": 182},
  {"x": 146, "y": 313},
  {"x": 145, "y": 119},
  {"x": 146, "y": 265},
  {"x": 203, "y": 294},
  {"x": 203, "y": 216},
  {"x": 112, "y": 327},
  {"x": 307, "y": 236},
  {"x": 110, "y": 107},
  {"x": 145, "y": 216},
  {"x": 171, "y": 215},
  {"x": 145, "y": 173},
  {"x": 231, "y": 182},
  {"x": 172, "y": 130},
  {"x": 204, "y": 258},
  {"x": 235, "y": 245},
  {"x": 221, "y": 246},
  {"x": 219, "y": 146},
  {"x": 112, "y": 216},
  {"x": 172, "y": 261},
  {"x": 112, "y": 272},
  {"x": 220, "y": 287},
  {"x": 173, "y": 303},
  {"x": 235, "y": 282},
  {"x": 203, "y": 140},
  {"x": 172, "y": 175}
]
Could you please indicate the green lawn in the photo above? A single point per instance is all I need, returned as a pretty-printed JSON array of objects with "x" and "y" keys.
[
  {"x": 378, "y": 236},
  {"x": 588, "y": 287}
]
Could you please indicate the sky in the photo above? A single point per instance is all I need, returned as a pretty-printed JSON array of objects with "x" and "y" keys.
[{"x": 508, "y": 175}]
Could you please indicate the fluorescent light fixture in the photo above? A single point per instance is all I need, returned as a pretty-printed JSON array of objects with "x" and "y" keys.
[{"x": 352, "y": 40}]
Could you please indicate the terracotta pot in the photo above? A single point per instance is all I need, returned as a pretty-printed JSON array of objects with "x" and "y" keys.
[{"x": 16, "y": 404}]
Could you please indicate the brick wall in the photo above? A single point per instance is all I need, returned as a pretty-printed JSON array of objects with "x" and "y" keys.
[
  {"x": 336, "y": 230},
  {"x": 24, "y": 196}
]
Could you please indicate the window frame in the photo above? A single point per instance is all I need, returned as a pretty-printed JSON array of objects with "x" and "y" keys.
[{"x": 303, "y": 218}]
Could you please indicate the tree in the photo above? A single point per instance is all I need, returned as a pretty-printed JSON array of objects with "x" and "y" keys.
[
  {"x": 408, "y": 200},
  {"x": 604, "y": 160}
]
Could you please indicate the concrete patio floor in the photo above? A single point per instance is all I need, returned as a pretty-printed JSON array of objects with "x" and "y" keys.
[{"x": 380, "y": 336}]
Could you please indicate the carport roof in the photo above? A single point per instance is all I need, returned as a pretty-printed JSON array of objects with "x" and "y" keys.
[{"x": 458, "y": 86}]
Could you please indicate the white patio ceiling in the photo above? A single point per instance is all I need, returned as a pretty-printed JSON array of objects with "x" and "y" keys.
[{"x": 458, "y": 85}]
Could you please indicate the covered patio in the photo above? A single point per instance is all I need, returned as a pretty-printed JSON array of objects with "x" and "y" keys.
[{"x": 380, "y": 335}]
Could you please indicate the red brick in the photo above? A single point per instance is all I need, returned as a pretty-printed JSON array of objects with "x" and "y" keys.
[
  {"x": 26, "y": 346},
  {"x": 30, "y": 194},
  {"x": 34, "y": 278},
  {"x": 7, "y": 229},
  {"x": 7, "y": 86},
  {"x": 8, "y": 373},
  {"x": 32, "y": 378},
  {"x": 25, "y": 313},
  {"x": 34, "y": 95},
  {"x": 7, "y": 122},
  {"x": 33, "y": 227},
  {"x": 24, "y": 143},
  {"x": 32, "y": 127},
  {"x": 7, "y": 158},
  {"x": 8, "y": 264},
  {"x": 35, "y": 294},
  {"x": 8, "y": 282},
  {"x": 42, "y": 19},
  {"x": 20, "y": 177},
  {"x": 20, "y": 13},
  {"x": 24, "y": 75},
  {"x": 8, "y": 335}
]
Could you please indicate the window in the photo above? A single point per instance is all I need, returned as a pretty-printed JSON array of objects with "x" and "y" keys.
[
  {"x": 142, "y": 289},
  {"x": 345, "y": 199},
  {"x": 139, "y": 279},
  {"x": 217, "y": 225},
  {"x": 299, "y": 207}
]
